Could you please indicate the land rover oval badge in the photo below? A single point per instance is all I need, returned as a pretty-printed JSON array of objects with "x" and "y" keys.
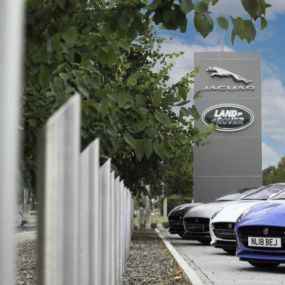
[{"x": 228, "y": 117}]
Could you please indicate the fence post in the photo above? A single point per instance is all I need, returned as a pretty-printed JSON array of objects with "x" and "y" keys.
[
  {"x": 112, "y": 232},
  {"x": 90, "y": 262},
  {"x": 105, "y": 185},
  {"x": 58, "y": 191},
  {"x": 129, "y": 219},
  {"x": 122, "y": 235},
  {"x": 11, "y": 23},
  {"x": 126, "y": 224},
  {"x": 117, "y": 231}
]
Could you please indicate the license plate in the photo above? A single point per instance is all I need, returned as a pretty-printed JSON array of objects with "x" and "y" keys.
[
  {"x": 228, "y": 233},
  {"x": 264, "y": 242},
  {"x": 196, "y": 228}
]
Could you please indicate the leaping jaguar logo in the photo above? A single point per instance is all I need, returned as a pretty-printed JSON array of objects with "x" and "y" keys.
[{"x": 221, "y": 72}]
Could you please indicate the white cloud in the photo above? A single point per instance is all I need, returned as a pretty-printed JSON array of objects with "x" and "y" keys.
[
  {"x": 235, "y": 8},
  {"x": 278, "y": 7},
  {"x": 269, "y": 156},
  {"x": 184, "y": 63},
  {"x": 273, "y": 109}
]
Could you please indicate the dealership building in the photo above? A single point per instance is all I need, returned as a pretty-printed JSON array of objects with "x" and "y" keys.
[{"x": 230, "y": 98}]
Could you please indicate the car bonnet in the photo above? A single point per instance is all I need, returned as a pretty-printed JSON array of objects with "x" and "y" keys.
[
  {"x": 267, "y": 213},
  {"x": 207, "y": 210},
  {"x": 232, "y": 212}
]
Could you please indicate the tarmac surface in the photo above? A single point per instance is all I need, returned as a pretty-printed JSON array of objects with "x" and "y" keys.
[{"x": 214, "y": 266}]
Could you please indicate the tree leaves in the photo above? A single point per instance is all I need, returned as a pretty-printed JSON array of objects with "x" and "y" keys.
[
  {"x": 186, "y": 6},
  {"x": 71, "y": 35},
  {"x": 214, "y": 2},
  {"x": 203, "y": 23},
  {"x": 245, "y": 29},
  {"x": 223, "y": 23},
  {"x": 128, "y": 138},
  {"x": 154, "y": 5},
  {"x": 173, "y": 16},
  {"x": 131, "y": 81},
  {"x": 107, "y": 55},
  {"x": 255, "y": 8},
  {"x": 263, "y": 23},
  {"x": 163, "y": 119}
]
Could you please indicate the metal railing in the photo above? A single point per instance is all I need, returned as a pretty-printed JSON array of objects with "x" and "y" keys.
[
  {"x": 84, "y": 211},
  {"x": 84, "y": 225},
  {"x": 11, "y": 15}
]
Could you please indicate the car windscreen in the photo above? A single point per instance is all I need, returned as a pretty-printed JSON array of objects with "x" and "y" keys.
[
  {"x": 265, "y": 193},
  {"x": 280, "y": 196},
  {"x": 252, "y": 191},
  {"x": 230, "y": 197}
]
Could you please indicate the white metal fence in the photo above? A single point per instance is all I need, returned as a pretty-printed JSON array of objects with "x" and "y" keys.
[
  {"x": 11, "y": 15},
  {"x": 85, "y": 212}
]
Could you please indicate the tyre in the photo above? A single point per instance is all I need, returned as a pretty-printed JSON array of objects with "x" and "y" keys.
[
  {"x": 204, "y": 241},
  {"x": 230, "y": 251},
  {"x": 262, "y": 264}
]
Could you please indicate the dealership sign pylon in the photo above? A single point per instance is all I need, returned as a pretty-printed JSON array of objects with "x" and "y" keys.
[{"x": 230, "y": 99}]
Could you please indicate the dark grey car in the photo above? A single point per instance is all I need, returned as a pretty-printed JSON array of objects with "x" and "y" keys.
[{"x": 175, "y": 218}]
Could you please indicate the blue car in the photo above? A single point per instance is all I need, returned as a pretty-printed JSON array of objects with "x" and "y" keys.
[{"x": 260, "y": 233}]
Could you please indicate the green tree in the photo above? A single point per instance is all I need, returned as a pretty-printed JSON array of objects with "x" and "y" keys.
[
  {"x": 268, "y": 175},
  {"x": 280, "y": 170},
  {"x": 106, "y": 51},
  {"x": 175, "y": 15},
  {"x": 274, "y": 174},
  {"x": 178, "y": 174}
]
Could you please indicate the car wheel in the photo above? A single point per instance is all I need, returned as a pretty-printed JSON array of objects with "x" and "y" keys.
[
  {"x": 261, "y": 264},
  {"x": 182, "y": 235},
  {"x": 204, "y": 241},
  {"x": 230, "y": 251}
]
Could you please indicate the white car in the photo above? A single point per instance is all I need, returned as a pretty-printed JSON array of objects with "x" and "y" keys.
[
  {"x": 196, "y": 221},
  {"x": 223, "y": 222}
]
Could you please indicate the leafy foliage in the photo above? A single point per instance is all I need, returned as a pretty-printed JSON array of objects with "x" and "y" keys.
[
  {"x": 175, "y": 15},
  {"x": 106, "y": 51},
  {"x": 95, "y": 50},
  {"x": 274, "y": 174},
  {"x": 178, "y": 173}
]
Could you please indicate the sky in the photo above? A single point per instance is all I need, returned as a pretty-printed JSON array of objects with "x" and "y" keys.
[{"x": 269, "y": 42}]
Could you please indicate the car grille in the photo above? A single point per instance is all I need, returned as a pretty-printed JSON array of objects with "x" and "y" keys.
[
  {"x": 196, "y": 224},
  {"x": 176, "y": 223},
  {"x": 175, "y": 218},
  {"x": 224, "y": 230},
  {"x": 257, "y": 231}
]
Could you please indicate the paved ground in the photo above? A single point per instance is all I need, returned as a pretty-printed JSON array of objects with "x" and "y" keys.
[{"x": 216, "y": 267}]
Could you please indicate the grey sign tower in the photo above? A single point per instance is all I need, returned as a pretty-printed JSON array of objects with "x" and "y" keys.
[{"x": 231, "y": 100}]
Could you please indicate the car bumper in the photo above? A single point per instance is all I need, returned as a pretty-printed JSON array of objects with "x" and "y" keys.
[
  {"x": 231, "y": 245},
  {"x": 261, "y": 256},
  {"x": 197, "y": 228},
  {"x": 222, "y": 243},
  {"x": 247, "y": 253},
  {"x": 198, "y": 235},
  {"x": 254, "y": 254}
]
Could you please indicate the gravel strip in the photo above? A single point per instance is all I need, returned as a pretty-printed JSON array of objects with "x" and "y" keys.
[
  {"x": 26, "y": 228},
  {"x": 26, "y": 263},
  {"x": 149, "y": 262}
]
